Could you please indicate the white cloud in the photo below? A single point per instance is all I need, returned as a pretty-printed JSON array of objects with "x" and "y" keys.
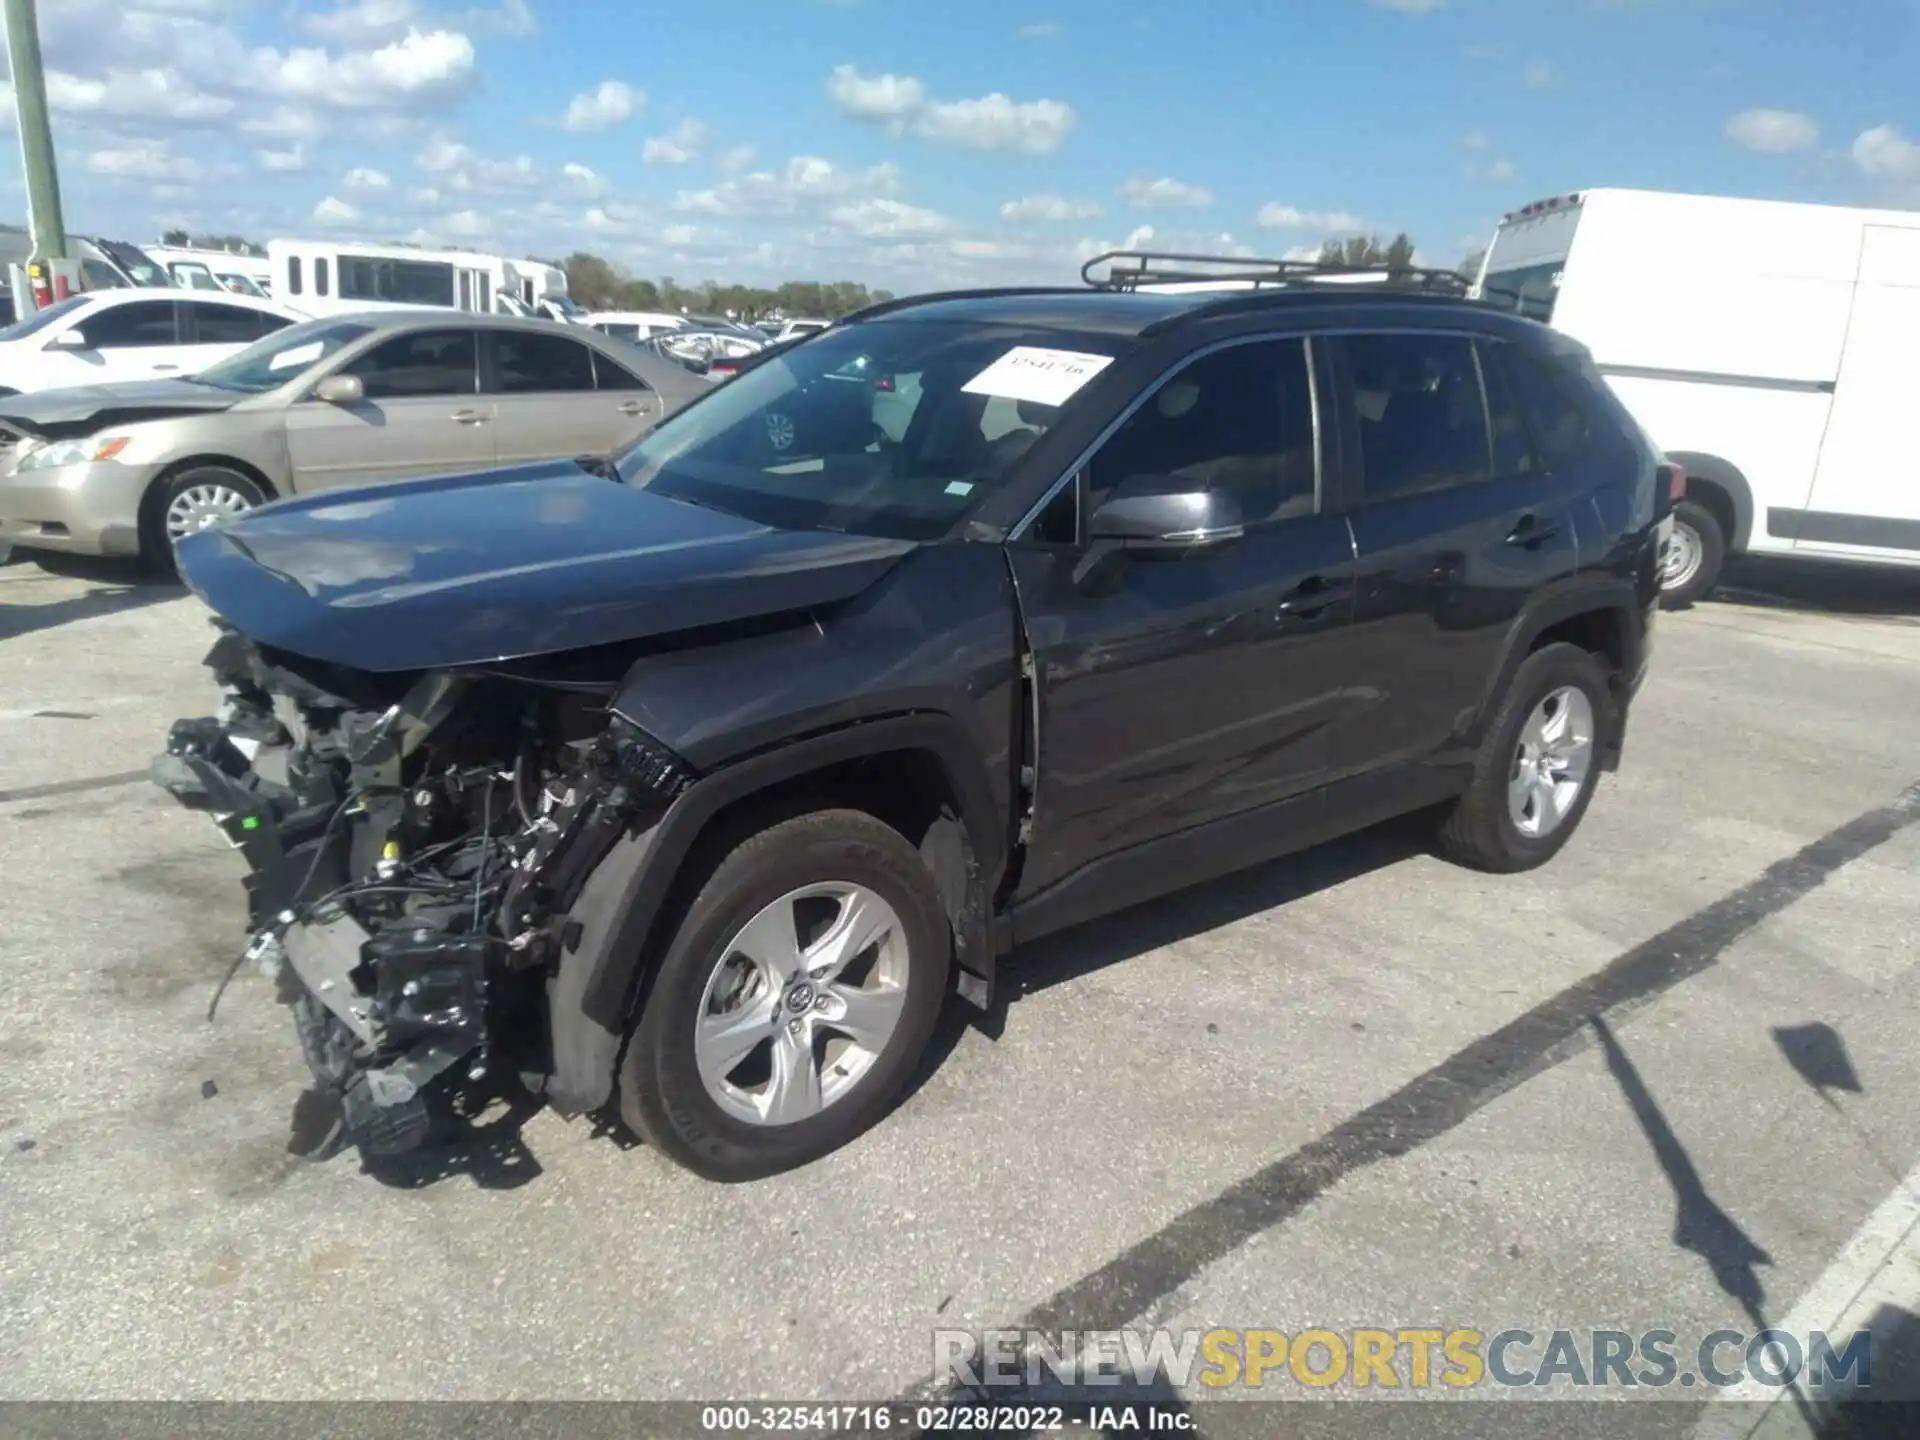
[
  {"x": 147, "y": 94},
  {"x": 880, "y": 218},
  {"x": 995, "y": 122},
  {"x": 1275, "y": 216},
  {"x": 1041, "y": 30},
  {"x": 362, "y": 178},
  {"x": 420, "y": 65},
  {"x": 1050, "y": 207},
  {"x": 465, "y": 222},
  {"x": 460, "y": 169},
  {"x": 807, "y": 183},
  {"x": 1541, "y": 75},
  {"x": 334, "y": 211},
  {"x": 1475, "y": 140},
  {"x": 991, "y": 122},
  {"x": 679, "y": 234},
  {"x": 611, "y": 102},
  {"x": 359, "y": 21},
  {"x": 875, "y": 97},
  {"x": 142, "y": 160},
  {"x": 1165, "y": 193},
  {"x": 282, "y": 160},
  {"x": 1772, "y": 132},
  {"x": 739, "y": 158},
  {"x": 1500, "y": 170},
  {"x": 1884, "y": 153},
  {"x": 680, "y": 146},
  {"x": 582, "y": 182}
]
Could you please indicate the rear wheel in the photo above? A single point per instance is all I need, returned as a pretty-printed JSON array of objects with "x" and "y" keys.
[
  {"x": 1537, "y": 769},
  {"x": 1690, "y": 568},
  {"x": 189, "y": 501},
  {"x": 794, "y": 1000}
]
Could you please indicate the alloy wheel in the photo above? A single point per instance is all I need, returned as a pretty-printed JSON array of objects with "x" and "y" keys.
[
  {"x": 198, "y": 506},
  {"x": 1551, "y": 762},
  {"x": 802, "y": 1002}
]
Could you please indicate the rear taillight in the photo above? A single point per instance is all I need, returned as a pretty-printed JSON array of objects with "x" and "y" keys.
[{"x": 723, "y": 371}]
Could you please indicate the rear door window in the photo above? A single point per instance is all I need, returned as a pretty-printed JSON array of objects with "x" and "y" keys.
[
  {"x": 424, "y": 363},
  {"x": 525, "y": 363},
  {"x": 230, "y": 324},
  {"x": 124, "y": 327},
  {"x": 1562, "y": 427},
  {"x": 1420, "y": 414},
  {"x": 1512, "y": 437}
]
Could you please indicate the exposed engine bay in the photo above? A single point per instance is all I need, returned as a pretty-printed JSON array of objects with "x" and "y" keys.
[{"x": 415, "y": 842}]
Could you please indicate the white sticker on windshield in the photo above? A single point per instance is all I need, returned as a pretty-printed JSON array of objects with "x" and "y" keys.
[
  {"x": 959, "y": 487},
  {"x": 299, "y": 355},
  {"x": 1046, "y": 377}
]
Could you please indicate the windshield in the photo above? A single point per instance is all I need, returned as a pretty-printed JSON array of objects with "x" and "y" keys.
[
  {"x": 895, "y": 428},
  {"x": 140, "y": 267},
  {"x": 1525, "y": 290},
  {"x": 40, "y": 319},
  {"x": 283, "y": 356}
]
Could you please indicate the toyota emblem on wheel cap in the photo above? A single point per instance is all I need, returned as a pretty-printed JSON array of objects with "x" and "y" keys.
[{"x": 800, "y": 997}]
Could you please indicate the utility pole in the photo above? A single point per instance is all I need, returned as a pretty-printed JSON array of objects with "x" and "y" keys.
[{"x": 36, "y": 135}]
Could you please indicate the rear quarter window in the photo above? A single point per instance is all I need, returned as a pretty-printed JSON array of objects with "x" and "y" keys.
[{"x": 1557, "y": 394}]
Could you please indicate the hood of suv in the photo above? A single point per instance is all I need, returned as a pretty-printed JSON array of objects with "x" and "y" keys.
[
  {"x": 88, "y": 409},
  {"x": 468, "y": 569}
]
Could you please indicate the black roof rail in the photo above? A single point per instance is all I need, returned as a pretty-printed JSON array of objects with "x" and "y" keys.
[
  {"x": 929, "y": 297},
  {"x": 1131, "y": 269}
]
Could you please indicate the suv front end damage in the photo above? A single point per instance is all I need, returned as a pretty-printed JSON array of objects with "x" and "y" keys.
[{"x": 414, "y": 844}]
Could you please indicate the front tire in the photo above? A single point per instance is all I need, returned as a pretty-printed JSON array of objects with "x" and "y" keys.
[
  {"x": 794, "y": 1001},
  {"x": 190, "y": 500},
  {"x": 1691, "y": 566},
  {"x": 1538, "y": 767}
]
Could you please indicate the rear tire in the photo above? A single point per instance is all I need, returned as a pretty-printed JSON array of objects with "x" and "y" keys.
[
  {"x": 1691, "y": 567},
  {"x": 799, "y": 1087},
  {"x": 178, "y": 504},
  {"x": 1538, "y": 766}
]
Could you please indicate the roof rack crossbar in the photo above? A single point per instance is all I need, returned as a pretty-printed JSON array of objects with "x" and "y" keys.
[{"x": 1130, "y": 269}]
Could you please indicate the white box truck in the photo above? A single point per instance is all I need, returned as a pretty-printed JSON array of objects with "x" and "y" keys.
[{"x": 1771, "y": 349}]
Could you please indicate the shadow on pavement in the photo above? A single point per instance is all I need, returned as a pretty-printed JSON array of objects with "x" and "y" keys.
[
  {"x": 1762, "y": 582},
  {"x": 117, "y": 585}
]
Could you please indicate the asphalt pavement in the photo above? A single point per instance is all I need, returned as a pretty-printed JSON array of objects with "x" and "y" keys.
[{"x": 1665, "y": 1082}]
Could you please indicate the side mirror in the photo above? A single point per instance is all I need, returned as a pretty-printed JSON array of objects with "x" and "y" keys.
[
  {"x": 340, "y": 390},
  {"x": 69, "y": 339},
  {"x": 1161, "y": 512}
]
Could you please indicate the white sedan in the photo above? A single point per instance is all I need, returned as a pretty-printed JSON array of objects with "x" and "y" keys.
[{"x": 143, "y": 334}]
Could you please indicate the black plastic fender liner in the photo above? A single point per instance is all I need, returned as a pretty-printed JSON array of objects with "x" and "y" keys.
[
  {"x": 585, "y": 1051},
  {"x": 609, "y": 983}
]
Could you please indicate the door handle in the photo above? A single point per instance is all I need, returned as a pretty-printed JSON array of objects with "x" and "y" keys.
[
  {"x": 166, "y": 367},
  {"x": 1531, "y": 533},
  {"x": 469, "y": 417},
  {"x": 1313, "y": 596},
  {"x": 633, "y": 407}
]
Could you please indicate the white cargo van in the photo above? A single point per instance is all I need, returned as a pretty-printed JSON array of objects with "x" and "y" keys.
[{"x": 1773, "y": 350}]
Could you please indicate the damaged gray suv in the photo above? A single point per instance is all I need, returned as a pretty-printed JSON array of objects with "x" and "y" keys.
[{"x": 692, "y": 782}]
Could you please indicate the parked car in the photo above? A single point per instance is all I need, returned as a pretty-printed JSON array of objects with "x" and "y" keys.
[
  {"x": 792, "y": 329},
  {"x": 726, "y": 367},
  {"x": 106, "y": 335},
  {"x": 1769, "y": 348},
  {"x": 341, "y": 400},
  {"x": 699, "y": 787},
  {"x": 633, "y": 324},
  {"x": 698, "y": 349}
]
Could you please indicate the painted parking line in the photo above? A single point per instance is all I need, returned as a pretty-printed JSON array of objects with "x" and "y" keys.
[{"x": 1872, "y": 1284}]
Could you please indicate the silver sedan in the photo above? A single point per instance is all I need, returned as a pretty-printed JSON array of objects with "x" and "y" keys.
[{"x": 129, "y": 469}]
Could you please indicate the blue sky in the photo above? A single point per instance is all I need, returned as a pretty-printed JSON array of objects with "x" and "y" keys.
[{"x": 910, "y": 144}]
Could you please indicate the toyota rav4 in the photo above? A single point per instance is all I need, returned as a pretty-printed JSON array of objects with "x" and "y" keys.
[{"x": 692, "y": 780}]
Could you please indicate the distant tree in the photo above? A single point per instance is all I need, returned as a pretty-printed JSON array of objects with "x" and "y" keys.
[
  {"x": 591, "y": 281},
  {"x": 1367, "y": 250},
  {"x": 175, "y": 237},
  {"x": 598, "y": 284}
]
